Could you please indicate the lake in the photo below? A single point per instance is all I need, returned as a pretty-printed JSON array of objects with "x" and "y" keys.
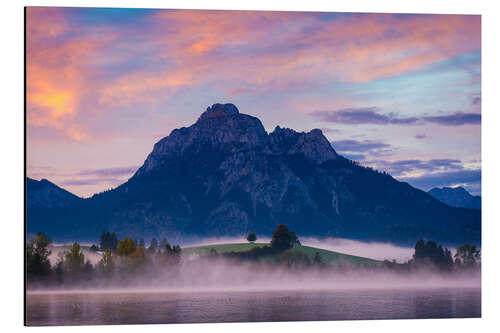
[{"x": 156, "y": 307}]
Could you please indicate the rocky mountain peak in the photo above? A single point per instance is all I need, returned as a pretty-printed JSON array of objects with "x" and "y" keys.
[
  {"x": 221, "y": 127},
  {"x": 312, "y": 145},
  {"x": 219, "y": 110}
]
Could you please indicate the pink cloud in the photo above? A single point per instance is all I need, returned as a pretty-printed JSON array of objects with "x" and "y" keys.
[{"x": 233, "y": 52}]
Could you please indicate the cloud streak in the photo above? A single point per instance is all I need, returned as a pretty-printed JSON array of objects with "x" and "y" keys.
[
  {"x": 359, "y": 146},
  {"x": 109, "y": 172},
  {"x": 405, "y": 167},
  {"x": 366, "y": 115},
  {"x": 456, "y": 119},
  {"x": 373, "y": 116},
  {"x": 467, "y": 178},
  {"x": 357, "y": 150}
]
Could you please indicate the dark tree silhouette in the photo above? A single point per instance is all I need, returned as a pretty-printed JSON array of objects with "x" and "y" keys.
[
  {"x": 467, "y": 255},
  {"x": 432, "y": 252},
  {"x": 153, "y": 247},
  {"x": 283, "y": 239},
  {"x": 37, "y": 256},
  {"x": 252, "y": 237},
  {"x": 108, "y": 241},
  {"x": 164, "y": 244}
]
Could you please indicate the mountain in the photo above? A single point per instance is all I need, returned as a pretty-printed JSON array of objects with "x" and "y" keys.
[
  {"x": 225, "y": 176},
  {"x": 44, "y": 194},
  {"x": 456, "y": 197}
]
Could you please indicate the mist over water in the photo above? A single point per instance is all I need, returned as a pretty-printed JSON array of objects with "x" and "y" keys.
[
  {"x": 195, "y": 273},
  {"x": 218, "y": 288}
]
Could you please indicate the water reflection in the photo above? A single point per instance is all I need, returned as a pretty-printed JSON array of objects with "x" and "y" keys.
[{"x": 95, "y": 308}]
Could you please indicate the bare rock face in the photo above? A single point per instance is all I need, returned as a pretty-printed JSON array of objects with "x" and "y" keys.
[
  {"x": 224, "y": 128},
  {"x": 220, "y": 127},
  {"x": 313, "y": 145}
]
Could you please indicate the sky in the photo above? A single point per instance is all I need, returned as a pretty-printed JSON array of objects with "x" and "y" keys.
[{"x": 397, "y": 92}]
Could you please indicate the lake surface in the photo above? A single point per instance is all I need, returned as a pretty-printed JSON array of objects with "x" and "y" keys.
[{"x": 148, "y": 307}]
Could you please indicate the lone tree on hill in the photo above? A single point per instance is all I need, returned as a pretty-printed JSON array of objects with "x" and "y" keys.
[
  {"x": 283, "y": 239},
  {"x": 252, "y": 237}
]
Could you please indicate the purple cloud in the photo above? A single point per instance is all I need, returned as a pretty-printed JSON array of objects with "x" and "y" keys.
[
  {"x": 372, "y": 115},
  {"x": 456, "y": 119},
  {"x": 420, "y": 136},
  {"x": 109, "y": 172},
  {"x": 471, "y": 179},
  {"x": 354, "y": 157},
  {"x": 401, "y": 167},
  {"x": 92, "y": 181},
  {"x": 366, "y": 115},
  {"x": 358, "y": 146}
]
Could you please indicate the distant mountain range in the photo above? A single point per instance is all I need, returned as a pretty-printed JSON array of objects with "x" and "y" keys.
[
  {"x": 225, "y": 176},
  {"x": 456, "y": 197}
]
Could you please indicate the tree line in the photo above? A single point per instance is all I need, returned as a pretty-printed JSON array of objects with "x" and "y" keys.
[
  {"x": 129, "y": 257},
  {"x": 119, "y": 259}
]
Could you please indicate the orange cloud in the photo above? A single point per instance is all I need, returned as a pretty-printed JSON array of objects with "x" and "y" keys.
[
  {"x": 233, "y": 51},
  {"x": 57, "y": 71}
]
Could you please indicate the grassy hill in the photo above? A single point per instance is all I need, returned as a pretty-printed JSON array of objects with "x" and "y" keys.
[{"x": 327, "y": 256}]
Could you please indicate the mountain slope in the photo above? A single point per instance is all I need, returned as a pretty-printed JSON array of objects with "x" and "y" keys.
[
  {"x": 225, "y": 175},
  {"x": 326, "y": 255},
  {"x": 44, "y": 194},
  {"x": 456, "y": 197}
]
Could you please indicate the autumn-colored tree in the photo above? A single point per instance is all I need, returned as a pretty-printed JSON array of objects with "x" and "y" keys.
[
  {"x": 73, "y": 260},
  {"x": 126, "y": 247}
]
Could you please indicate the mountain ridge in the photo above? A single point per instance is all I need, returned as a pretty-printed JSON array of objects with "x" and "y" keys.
[
  {"x": 456, "y": 197},
  {"x": 43, "y": 193}
]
